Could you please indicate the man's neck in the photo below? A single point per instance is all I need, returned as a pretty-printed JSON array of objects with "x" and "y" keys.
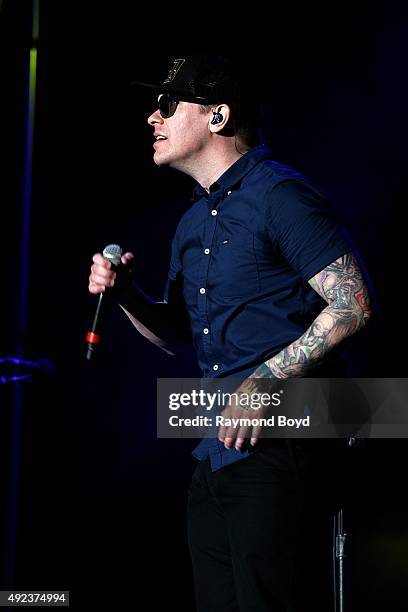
[
  {"x": 213, "y": 171},
  {"x": 211, "y": 167}
]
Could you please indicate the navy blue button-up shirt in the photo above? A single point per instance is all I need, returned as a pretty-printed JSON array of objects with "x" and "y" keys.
[{"x": 241, "y": 256}]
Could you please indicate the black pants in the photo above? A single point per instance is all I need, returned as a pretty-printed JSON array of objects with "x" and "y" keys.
[{"x": 243, "y": 529}]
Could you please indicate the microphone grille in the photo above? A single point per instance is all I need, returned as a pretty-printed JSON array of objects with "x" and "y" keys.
[{"x": 113, "y": 252}]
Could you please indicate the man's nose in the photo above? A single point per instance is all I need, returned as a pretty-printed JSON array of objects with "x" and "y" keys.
[{"x": 155, "y": 118}]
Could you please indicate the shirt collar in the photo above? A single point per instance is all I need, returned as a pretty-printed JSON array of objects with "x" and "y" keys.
[{"x": 235, "y": 173}]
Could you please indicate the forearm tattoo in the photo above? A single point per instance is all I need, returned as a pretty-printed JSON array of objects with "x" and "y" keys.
[{"x": 341, "y": 284}]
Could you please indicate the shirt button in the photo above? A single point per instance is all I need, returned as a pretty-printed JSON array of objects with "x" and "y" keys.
[
  {"x": 202, "y": 290},
  {"x": 215, "y": 366},
  {"x": 206, "y": 330},
  {"x": 214, "y": 212},
  {"x": 206, "y": 251},
  {"x": 229, "y": 192}
]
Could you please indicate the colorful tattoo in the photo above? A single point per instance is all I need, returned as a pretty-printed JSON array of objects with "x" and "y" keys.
[{"x": 341, "y": 284}]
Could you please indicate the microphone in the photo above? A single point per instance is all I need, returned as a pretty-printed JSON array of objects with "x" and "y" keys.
[{"x": 112, "y": 253}]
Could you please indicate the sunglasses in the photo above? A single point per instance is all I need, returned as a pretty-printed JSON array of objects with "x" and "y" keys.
[{"x": 168, "y": 103}]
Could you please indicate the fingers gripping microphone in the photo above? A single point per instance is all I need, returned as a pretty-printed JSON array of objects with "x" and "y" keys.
[{"x": 113, "y": 253}]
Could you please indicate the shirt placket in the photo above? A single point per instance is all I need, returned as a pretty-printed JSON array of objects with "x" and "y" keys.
[{"x": 206, "y": 330}]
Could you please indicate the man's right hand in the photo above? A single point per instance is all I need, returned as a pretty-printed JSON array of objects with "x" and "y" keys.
[{"x": 103, "y": 276}]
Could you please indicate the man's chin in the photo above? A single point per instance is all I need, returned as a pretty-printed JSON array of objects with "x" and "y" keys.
[
  {"x": 160, "y": 160},
  {"x": 167, "y": 160}
]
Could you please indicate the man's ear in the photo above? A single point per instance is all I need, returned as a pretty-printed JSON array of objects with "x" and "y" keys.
[{"x": 220, "y": 117}]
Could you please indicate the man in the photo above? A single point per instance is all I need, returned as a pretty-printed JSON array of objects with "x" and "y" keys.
[{"x": 264, "y": 282}]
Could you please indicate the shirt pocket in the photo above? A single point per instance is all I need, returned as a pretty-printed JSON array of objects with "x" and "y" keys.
[{"x": 233, "y": 272}]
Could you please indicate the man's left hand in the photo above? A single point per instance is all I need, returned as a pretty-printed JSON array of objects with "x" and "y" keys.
[{"x": 245, "y": 404}]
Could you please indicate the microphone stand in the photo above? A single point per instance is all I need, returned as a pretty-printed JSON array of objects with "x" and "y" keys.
[{"x": 341, "y": 547}]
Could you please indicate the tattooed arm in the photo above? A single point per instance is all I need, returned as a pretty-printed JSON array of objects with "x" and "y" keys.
[{"x": 342, "y": 285}]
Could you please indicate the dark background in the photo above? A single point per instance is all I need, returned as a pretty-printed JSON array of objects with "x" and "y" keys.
[{"x": 101, "y": 500}]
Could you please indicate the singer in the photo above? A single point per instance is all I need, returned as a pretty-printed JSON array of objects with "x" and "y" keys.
[{"x": 266, "y": 283}]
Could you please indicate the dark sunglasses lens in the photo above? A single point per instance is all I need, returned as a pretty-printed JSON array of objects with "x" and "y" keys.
[{"x": 167, "y": 105}]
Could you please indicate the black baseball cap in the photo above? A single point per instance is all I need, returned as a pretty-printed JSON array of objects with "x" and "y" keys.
[{"x": 207, "y": 78}]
